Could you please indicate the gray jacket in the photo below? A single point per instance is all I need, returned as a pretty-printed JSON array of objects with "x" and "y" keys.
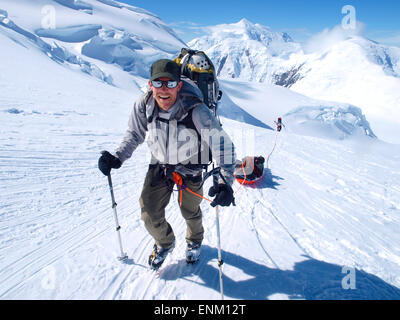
[{"x": 171, "y": 141}]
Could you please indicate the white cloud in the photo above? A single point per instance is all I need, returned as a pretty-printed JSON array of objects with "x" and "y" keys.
[{"x": 328, "y": 37}]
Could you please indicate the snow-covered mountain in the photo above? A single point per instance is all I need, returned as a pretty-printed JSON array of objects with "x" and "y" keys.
[
  {"x": 347, "y": 68},
  {"x": 326, "y": 208},
  {"x": 246, "y": 51},
  {"x": 109, "y": 40},
  {"x": 360, "y": 72}
]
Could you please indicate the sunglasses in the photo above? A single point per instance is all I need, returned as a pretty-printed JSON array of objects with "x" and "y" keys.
[{"x": 169, "y": 83}]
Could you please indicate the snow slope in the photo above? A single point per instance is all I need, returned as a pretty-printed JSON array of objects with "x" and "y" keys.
[
  {"x": 117, "y": 40},
  {"x": 333, "y": 66},
  {"x": 322, "y": 205},
  {"x": 300, "y": 113}
]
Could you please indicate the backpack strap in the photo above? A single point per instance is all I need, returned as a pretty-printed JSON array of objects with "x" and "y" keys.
[
  {"x": 189, "y": 124},
  {"x": 147, "y": 97}
]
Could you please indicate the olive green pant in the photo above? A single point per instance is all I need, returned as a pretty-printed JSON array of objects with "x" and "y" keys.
[{"x": 155, "y": 197}]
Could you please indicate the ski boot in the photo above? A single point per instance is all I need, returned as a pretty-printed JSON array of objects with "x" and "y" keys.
[
  {"x": 193, "y": 252},
  {"x": 158, "y": 256}
]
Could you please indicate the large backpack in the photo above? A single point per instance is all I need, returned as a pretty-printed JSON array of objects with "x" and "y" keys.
[{"x": 198, "y": 67}]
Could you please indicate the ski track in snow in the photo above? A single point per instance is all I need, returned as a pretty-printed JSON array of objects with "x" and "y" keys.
[
  {"x": 67, "y": 214},
  {"x": 57, "y": 221},
  {"x": 321, "y": 205}
]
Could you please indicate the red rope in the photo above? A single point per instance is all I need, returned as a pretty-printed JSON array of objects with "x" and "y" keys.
[
  {"x": 243, "y": 180},
  {"x": 196, "y": 194},
  {"x": 179, "y": 182},
  {"x": 276, "y": 138}
]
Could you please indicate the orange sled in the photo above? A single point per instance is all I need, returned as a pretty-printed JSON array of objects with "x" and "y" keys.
[{"x": 249, "y": 170}]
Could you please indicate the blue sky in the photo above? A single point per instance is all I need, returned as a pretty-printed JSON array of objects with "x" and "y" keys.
[{"x": 299, "y": 18}]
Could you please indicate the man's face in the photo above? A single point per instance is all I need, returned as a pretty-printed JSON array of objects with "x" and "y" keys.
[{"x": 165, "y": 97}]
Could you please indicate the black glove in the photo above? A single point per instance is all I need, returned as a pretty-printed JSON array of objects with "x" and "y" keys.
[
  {"x": 107, "y": 162},
  {"x": 223, "y": 195}
]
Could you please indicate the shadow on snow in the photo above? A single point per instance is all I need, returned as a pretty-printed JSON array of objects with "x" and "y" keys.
[
  {"x": 267, "y": 181},
  {"x": 310, "y": 279}
]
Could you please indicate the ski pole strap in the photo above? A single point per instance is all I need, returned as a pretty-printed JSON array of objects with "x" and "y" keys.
[{"x": 215, "y": 179}]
